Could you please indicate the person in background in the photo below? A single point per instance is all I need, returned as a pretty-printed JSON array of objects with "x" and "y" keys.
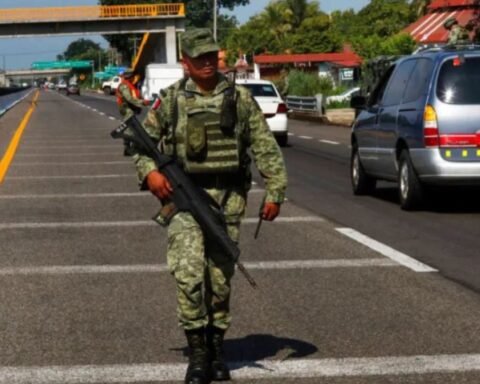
[
  {"x": 129, "y": 100},
  {"x": 457, "y": 34}
]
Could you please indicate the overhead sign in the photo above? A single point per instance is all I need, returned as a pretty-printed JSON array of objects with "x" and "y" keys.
[{"x": 62, "y": 64}]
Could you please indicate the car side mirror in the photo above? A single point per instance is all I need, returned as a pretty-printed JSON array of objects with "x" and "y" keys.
[{"x": 358, "y": 102}]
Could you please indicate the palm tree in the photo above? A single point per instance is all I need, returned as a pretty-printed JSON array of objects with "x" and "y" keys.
[
  {"x": 278, "y": 19},
  {"x": 420, "y": 7},
  {"x": 298, "y": 9}
]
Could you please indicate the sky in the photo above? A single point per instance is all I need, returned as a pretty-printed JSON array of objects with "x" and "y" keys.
[{"x": 19, "y": 53}]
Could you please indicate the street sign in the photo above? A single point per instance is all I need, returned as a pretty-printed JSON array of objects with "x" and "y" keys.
[
  {"x": 346, "y": 74},
  {"x": 62, "y": 64}
]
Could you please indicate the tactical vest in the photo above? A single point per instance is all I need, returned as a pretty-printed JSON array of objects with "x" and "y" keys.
[
  {"x": 133, "y": 90},
  {"x": 197, "y": 138}
]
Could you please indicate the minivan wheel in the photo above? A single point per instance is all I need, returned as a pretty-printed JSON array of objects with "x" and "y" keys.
[
  {"x": 107, "y": 91},
  {"x": 409, "y": 187},
  {"x": 362, "y": 184}
]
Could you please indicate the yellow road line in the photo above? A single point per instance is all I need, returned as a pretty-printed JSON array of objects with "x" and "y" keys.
[{"x": 12, "y": 147}]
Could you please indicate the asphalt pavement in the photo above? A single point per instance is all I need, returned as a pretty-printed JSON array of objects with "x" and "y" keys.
[{"x": 348, "y": 289}]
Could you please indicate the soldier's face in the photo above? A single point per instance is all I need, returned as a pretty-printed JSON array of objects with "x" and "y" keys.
[{"x": 203, "y": 67}]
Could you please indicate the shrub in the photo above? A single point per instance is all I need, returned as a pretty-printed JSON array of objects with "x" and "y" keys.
[{"x": 308, "y": 84}]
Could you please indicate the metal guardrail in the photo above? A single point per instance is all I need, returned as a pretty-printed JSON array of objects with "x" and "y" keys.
[
  {"x": 314, "y": 105},
  {"x": 91, "y": 12}
]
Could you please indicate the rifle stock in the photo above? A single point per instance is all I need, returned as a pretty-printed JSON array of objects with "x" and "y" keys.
[{"x": 186, "y": 195}]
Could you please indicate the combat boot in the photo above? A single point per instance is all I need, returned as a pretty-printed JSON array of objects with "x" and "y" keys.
[
  {"x": 218, "y": 368},
  {"x": 197, "y": 371}
]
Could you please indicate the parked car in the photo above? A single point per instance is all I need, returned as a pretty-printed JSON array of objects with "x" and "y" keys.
[
  {"x": 73, "y": 89},
  {"x": 110, "y": 87},
  {"x": 420, "y": 126},
  {"x": 272, "y": 105},
  {"x": 344, "y": 96}
]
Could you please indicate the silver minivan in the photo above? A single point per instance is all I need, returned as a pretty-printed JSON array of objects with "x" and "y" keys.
[{"x": 421, "y": 125}]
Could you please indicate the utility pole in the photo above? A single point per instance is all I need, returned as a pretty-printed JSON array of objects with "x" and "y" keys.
[
  {"x": 215, "y": 19},
  {"x": 135, "y": 40}
]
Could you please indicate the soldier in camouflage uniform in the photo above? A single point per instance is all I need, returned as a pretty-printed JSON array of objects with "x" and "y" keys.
[
  {"x": 457, "y": 34},
  {"x": 207, "y": 123},
  {"x": 129, "y": 101}
]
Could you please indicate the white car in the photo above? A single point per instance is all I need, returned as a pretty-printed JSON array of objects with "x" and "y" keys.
[
  {"x": 273, "y": 107},
  {"x": 344, "y": 96},
  {"x": 61, "y": 86}
]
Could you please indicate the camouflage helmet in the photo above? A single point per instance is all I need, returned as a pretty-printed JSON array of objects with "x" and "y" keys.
[
  {"x": 450, "y": 22},
  {"x": 198, "y": 41}
]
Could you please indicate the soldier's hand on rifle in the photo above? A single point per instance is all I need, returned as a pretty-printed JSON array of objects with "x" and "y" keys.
[
  {"x": 270, "y": 211},
  {"x": 159, "y": 185}
]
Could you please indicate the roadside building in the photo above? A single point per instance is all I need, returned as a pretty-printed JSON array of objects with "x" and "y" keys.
[
  {"x": 2, "y": 79},
  {"x": 343, "y": 68},
  {"x": 430, "y": 28}
]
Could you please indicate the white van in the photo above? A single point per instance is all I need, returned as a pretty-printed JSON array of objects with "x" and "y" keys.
[{"x": 160, "y": 76}]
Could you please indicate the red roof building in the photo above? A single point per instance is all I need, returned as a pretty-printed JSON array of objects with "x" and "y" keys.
[
  {"x": 339, "y": 66},
  {"x": 344, "y": 59},
  {"x": 429, "y": 29}
]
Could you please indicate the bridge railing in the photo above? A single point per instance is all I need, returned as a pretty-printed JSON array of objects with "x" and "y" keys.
[{"x": 91, "y": 12}]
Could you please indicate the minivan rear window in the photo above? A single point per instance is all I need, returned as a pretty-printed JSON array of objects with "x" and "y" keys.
[
  {"x": 459, "y": 81},
  {"x": 265, "y": 90}
]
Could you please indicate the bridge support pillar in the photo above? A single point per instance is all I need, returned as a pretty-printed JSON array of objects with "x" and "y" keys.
[{"x": 171, "y": 44}]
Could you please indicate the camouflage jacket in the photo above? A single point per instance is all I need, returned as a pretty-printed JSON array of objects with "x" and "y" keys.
[
  {"x": 128, "y": 101},
  {"x": 251, "y": 127},
  {"x": 458, "y": 34}
]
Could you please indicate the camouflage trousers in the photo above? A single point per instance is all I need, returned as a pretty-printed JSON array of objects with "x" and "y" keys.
[{"x": 202, "y": 272}]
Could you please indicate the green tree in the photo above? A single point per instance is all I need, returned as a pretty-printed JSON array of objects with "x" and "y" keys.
[
  {"x": 84, "y": 49},
  {"x": 286, "y": 26},
  {"x": 384, "y": 17},
  {"x": 420, "y": 7},
  {"x": 79, "y": 47}
]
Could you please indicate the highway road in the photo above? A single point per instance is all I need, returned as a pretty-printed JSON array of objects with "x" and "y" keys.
[{"x": 352, "y": 289}]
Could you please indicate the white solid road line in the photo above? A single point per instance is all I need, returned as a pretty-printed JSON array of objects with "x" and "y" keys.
[
  {"x": 158, "y": 268},
  {"x": 140, "y": 223},
  {"x": 69, "y": 146},
  {"x": 88, "y": 195},
  {"x": 41, "y": 164},
  {"x": 67, "y": 154},
  {"x": 75, "y": 195},
  {"x": 387, "y": 251},
  {"x": 257, "y": 370},
  {"x": 68, "y": 177}
]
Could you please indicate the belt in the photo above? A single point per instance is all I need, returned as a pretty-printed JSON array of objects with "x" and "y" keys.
[{"x": 217, "y": 181}]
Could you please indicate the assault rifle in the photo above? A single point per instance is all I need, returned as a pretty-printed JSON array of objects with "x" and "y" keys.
[{"x": 186, "y": 196}]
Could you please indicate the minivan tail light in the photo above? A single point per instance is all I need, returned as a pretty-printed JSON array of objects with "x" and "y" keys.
[{"x": 430, "y": 127}]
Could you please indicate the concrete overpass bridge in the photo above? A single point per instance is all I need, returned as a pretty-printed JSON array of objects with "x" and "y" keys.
[
  {"x": 160, "y": 20},
  {"x": 31, "y": 74}
]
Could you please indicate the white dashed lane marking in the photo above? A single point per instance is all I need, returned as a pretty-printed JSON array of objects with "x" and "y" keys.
[
  {"x": 252, "y": 370},
  {"x": 387, "y": 251},
  {"x": 139, "y": 223},
  {"x": 329, "y": 142},
  {"x": 160, "y": 268},
  {"x": 305, "y": 137}
]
